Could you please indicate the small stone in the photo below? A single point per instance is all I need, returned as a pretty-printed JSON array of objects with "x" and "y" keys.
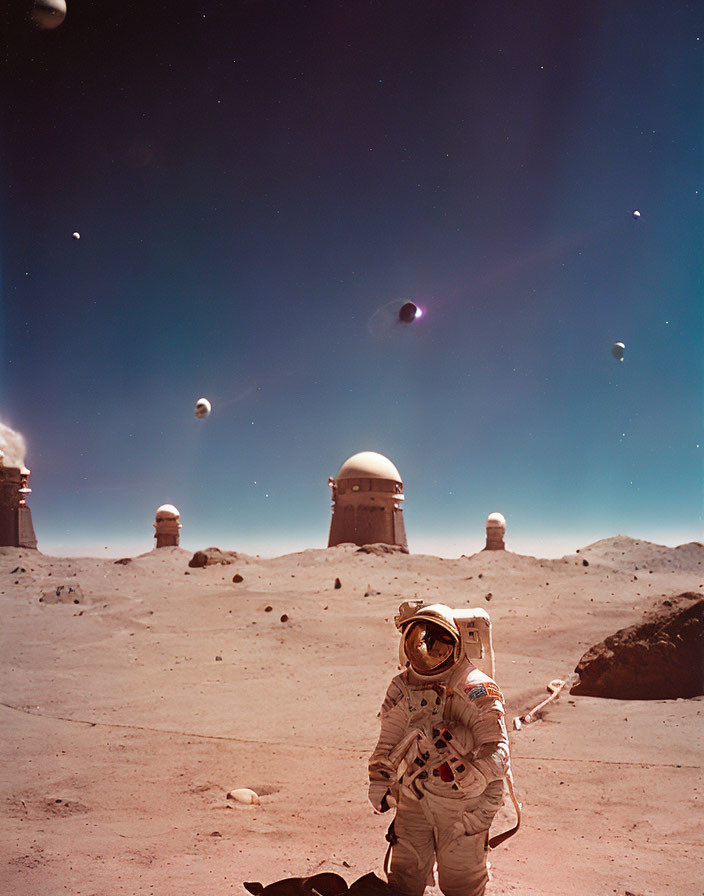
[
  {"x": 216, "y": 834},
  {"x": 238, "y": 578},
  {"x": 284, "y": 618},
  {"x": 585, "y": 563},
  {"x": 338, "y": 583},
  {"x": 268, "y": 608},
  {"x": 218, "y": 659},
  {"x": 488, "y": 595},
  {"x": 244, "y": 795}
]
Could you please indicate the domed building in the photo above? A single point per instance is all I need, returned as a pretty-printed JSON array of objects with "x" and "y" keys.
[
  {"x": 367, "y": 494},
  {"x": 495, "y": 531},
  {"x": 167, "y": 525}
]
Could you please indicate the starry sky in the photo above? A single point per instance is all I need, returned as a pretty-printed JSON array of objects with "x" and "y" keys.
[{"x": 259, "y": 185}]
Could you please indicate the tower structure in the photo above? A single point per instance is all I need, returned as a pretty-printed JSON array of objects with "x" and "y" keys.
[
  {"x": 367, "y": 496},
  {"x": 495, "y": 531},
  {"x": 167, "y": 525},
  {"x": 16, "y": 529}
]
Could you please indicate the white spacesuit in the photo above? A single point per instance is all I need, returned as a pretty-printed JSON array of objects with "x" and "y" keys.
[{"x": 442, "y": 754}]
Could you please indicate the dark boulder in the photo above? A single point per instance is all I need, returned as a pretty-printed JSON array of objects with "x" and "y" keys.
[
  {"x": 661, "y": 658},
  {"x": 325, "y": 884},
  {"x": 212, "y": 556}
]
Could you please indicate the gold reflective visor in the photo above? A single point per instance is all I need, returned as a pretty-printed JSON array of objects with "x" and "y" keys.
[{"x": 428, "y": 646}]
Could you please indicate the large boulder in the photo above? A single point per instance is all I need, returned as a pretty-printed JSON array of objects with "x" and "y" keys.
[
  {"x": 212, "y": 556},
  {"x": 662, "y": 658}
]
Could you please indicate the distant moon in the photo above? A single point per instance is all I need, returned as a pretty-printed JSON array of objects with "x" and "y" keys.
[
  {"x": 636, "y": 214},
  {"x": 76, "y": 235},
  {"x": 48, "y": 14},
  {"x": 408, "y": 313},
  {"x": 203, "y": 408},
  {"x": 617, "y": 350}
]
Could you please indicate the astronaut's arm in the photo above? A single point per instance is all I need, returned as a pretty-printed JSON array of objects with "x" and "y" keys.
[
  {"x": 384, "y": 761},
  {"x": 489, "y": 761}
]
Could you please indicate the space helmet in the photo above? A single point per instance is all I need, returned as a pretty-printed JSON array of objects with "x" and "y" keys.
[{"x": 430, "y": 639}]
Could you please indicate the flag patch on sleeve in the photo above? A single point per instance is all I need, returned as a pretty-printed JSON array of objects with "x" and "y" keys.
[{"x": 485, "y": 692}]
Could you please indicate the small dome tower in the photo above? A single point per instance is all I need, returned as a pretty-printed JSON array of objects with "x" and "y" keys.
[
  {"x": 495, "y": 531},
  {"x": 167, "y": 524},
  {"x": 366, "y": 502}
]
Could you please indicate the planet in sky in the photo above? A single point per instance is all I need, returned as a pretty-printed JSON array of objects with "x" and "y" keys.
[
  {"x": 617, "y": 350},
  {"x": 48, "y": 14},
  {"x": 409, "y": 312},
  {"x": 76, "y": 235},
  {"x": 203, "y": 408}
]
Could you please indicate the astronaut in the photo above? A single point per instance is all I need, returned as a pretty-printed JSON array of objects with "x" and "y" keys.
[{"x": 442, "y": 754}]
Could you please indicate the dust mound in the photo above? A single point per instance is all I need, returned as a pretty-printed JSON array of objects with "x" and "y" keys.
[
  {"x": 661, "y": 658},
  {"x": 212, "y": 556},
  {"x": 622, "y": 550}
]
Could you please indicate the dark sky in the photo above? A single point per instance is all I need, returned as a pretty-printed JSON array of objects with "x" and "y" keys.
[{"x": 259, "y": 186}]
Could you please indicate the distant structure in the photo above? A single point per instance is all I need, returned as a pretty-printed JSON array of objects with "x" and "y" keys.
[
  {"x": 167, "y": 524},
  {"x": 366, "y": 502},
  {"x": 16, "y": 529},
  {"x": 495, "y": 531}
]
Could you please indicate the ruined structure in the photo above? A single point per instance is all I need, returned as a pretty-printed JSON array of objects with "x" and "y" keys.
[
  {"x": 495, "y": 531},
  {"x": 366, "y": 502},
  {"x": 16, "y": 529},
  {"x": 167, "y": 524}
]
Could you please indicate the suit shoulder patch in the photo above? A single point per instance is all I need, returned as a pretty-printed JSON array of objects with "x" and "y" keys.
[{"x": 484, "y": 692}]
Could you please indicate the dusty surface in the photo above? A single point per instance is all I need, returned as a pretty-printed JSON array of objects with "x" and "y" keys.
[{"x": 122, "y": 732}]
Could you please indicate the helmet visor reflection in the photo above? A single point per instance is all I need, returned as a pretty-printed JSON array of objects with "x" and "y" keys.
[{"x": 427, "y": 646}]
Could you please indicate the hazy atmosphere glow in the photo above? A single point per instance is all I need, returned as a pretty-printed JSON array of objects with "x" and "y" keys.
[{"x": 259, "y": 186}]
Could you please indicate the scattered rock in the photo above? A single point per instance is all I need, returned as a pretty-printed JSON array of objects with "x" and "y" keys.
[
  {"x": 218, "y": 659},
  {"x": 238, "y": 578},
  {"x": 62, "y": 594},
  {"x": 585, "y": 563},
  {"x": 268, "y": 608},
  {"x": 284, "y": 618},
  {"x": 370, "y": 592},
  {"x": 18, "y": 569},
  {"x": 661, "y": 658},
  {"x": 488, "y": 595},
  {"x": 338, "y": 583},
  {"x": 216, "y": 834},
  {"x": 244, "y": 795},
  {"x": 123, "y": 561}
]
